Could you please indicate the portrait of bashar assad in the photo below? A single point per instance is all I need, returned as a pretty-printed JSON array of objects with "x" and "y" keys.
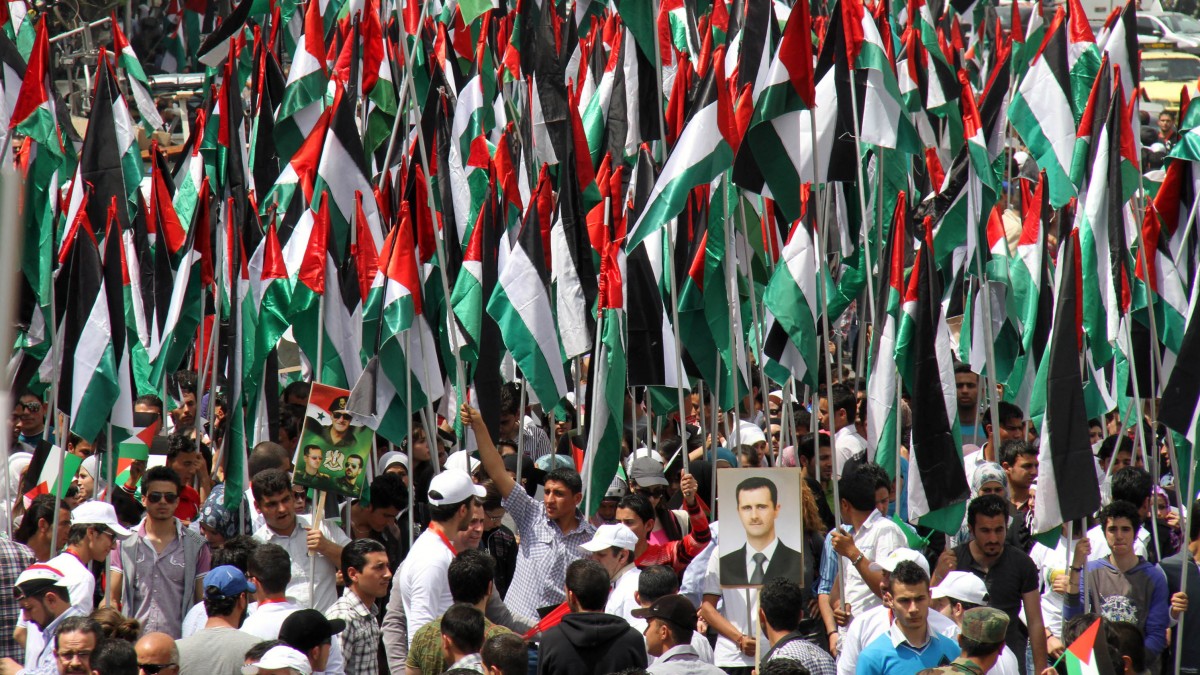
[{"x": 763, "y": 557}]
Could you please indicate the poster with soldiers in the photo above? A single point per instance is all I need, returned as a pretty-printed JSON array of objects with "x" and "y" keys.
[{"x": 332, "y": 453}]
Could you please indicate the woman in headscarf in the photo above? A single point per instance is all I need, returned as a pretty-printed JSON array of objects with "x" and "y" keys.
[
  {"x": 218, "y": 523},
  {"x": 90, "y": 481},
  {"x": 18, "y": 463},
  {"x": 989, "y": 479}
]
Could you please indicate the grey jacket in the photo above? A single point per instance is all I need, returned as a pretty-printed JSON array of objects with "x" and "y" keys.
[{"x": 193, "y": 543}]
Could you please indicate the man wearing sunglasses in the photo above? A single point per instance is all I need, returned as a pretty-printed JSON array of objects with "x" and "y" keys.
[
  {"x": 339, "y": 434},
  {"x": 29, "y": 417},
  {"x": 157, "y": 575},
  {"x": 42, "y": 595}
]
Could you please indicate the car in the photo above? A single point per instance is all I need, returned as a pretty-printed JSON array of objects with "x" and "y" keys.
[
  {"x": 1166, "y": 73},
  {"x": 1178, "y": 29}
]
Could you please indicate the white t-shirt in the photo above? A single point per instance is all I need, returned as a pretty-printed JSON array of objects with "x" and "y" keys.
[
  {"x": 877, "y": 537},
  {"x": 80, "y": 583},
  {"x": 740, "y": 607},
  {"x": 621, "y": 600},
  {"x": 422, "y": 581},
  {"x": 324, "y": 592},
  {"x": 265, "y": 621},
  {"x": 848, "y": 444}
]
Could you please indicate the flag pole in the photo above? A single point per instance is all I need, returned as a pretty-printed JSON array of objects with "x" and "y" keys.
[
  {"x": 735, "y": 315},
  {"x": 1139, "y": 422},
  {"x": 758, "y": 335},
  {"x": 11, "y": 233},
  {"x": 405, "y": 86},
  {"x": 989, "y": 351},
  {"x": 672, "y": 227},
  {"x": 1185, "y": 509}
]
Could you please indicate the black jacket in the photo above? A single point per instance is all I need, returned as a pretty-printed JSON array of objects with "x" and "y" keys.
[
  {"x": 1174, "y": 567},
  {"x": 785, "y": 562},
  {"x": 590, "y": 643}
]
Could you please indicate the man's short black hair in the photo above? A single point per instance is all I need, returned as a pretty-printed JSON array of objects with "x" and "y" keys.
[
  {"x": 657, "y": 581},
  {"x": 469, "y": 575},
  {"x": 783, "y": 666},
  {"x": 388, "y": 492},
  {"x": 79, "y": 624},
  {"x": 185, "y": 381},
  {"x": 270, "y": 483},
  {"x": 976, "y": 649},
  {"x": 987, "y": 506},
  {"x": 1010, "y": 450},
  {"x": 845, "y": 399},
  {"x": 236, "y": 552},
  {"x": 1132, "y": 485},
  {"x": 1008, "y": 411},
  {"x": 782, "y": 602},
  {"x": 180, "y": 443},
  {"x": 355, "y": 555},
  {"x": 804, "y": 446},
  {"x": 1130, "y": 642},
  {"x": 220, "y": 605},
  {"x": 758, "y": 483},
  {"x": 267, "y": 455},
  {"x": 569, "y": 478},
  {"x": 161, "y": 474},
  {"x": 589, "y": 581},
  {"x": 858, "y": 488},
  {"x": 463, "y": 624},
  {"x": 149, "y": 400},
  {"x": 271, "y": 567},
  {"x": 1119, "y": 509},
  {"x": 963, "y": 367},
  {"x": 908, "y": 573},
  {"x": 510, "y": 399},
  {"x": 297, "y": 388},
  {"x": 639, "y": 504},
  {"x": 880, "y": 475},
  {"x": 259, "y": 650},
  {"x": 1113, "y": 444},
  {"x": 507, "y": 652},
  {"x": 115, "y": 657}
]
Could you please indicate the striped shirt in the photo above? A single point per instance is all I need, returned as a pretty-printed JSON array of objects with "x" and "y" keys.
[
  {"x": 812, "y": 657},
  {"x": 545, "y": 552},
  {"x": 536, "y": 443}
]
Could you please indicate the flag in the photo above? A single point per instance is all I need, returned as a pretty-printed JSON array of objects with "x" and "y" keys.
[
  {"x": 1181, "y": 395},
  {"x": 520, "y": 304},
  {"x": 376, "y": 403},
  {"x": 793, "y": 296},
  {"x": 139, "y": 84},
  {"x": 304, "y": 91},
  {"x": 883, "y": 379},
  {"x": 1067, "y": 485},
  {"x": 606, "y": 412},
  {"x": 56, "y": 476},
  {"x": 1088, "y": 654}
]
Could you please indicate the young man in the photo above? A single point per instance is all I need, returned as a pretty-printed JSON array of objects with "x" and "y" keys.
[
  {"x": 147, "y": 580},
  {"x": 470, "y": 578},
  {"x": 421, "y": 587},
  {"x": 1187, "y": 561},
  {"x": 1125, "y": 578},
  {"x": 659, "y": 581},
  {"x": 1009, "y": 573},
  {"x": 42, "y": 595},
  {"x": 588, "y": 641},
  {"x": 14, "y": 558},
  {"x": 367, "y": 576},
  {"x": 636, "y": 511},
  {"x": 864, "y": 500},
  {"x": 958, "y": 595},
  {"x": 838, "y": 419},
  {"x": 93, "y": 534},
  {"x": 551, "y": 533},
  {"x": 375, "y": 518},
  {"x": 966, "y": 386},
  {"x": 1133, "y": 485},
  {"x": 505, "y": 655},
  {"x": 1012, "y": 428},
  {"x": 185, "y": 458},
  {"x": 513, "y": 422},
  {"x": 763, "y": 557},
  {"x": 274, "y": 499},
  {"x": 462, "y": 637},
  {"x": 670, "y": 626},
  {"x": 612, "y": 546},
  {"x": 806, "y": 458},
  {"x": 310, "y": 633},
  {"x": 270, "y": 569},
  {"x": 981, "y": 641},
  {"x": 910, "y": 644},
  {"x": 281, "y": 660},
  {"x": 220, "y": 648},
  {"x": 1020, "y": 463},
  {"x": 780, "y": 608}
]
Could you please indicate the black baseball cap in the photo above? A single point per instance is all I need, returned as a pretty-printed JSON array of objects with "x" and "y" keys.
[
  {"x": 308, "y": 628},
  {"x": 675, "y": 609}
]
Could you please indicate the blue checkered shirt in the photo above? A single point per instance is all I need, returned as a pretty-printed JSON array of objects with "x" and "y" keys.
[
  {"x": 544, "y": 555},
  {"x": 14, "y": 558}
]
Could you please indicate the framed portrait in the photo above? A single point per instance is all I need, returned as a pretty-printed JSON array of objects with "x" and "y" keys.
[
  {"x": 760, "y": 526},
  {"x": 332, "y": 452}
]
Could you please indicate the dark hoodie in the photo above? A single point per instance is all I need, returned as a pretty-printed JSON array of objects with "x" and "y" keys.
[{"x": 590, "y": 643}]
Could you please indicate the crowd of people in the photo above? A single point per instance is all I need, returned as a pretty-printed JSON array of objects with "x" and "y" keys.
[{"x": 486, "y": 562}]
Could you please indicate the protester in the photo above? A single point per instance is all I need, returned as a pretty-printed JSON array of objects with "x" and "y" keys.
[
  {"x": 375, "y": 518},
  {"x": 38, "y": 530},
  {"x": 910, "y": 644},
  {"x": 505, "y": 654},
  {"x": 589, "y": 641},
  {"x": 74, "y": 643},
  {"x": 612, "y": 546},
  {"x": 93, "y": 534},
  {"x": 780, "y": 609},
  {"x": 872, "y": 536},
  {"x": 838, "y": 419},
  {"x": 367, "y": 576},
  {"x": 235, "y": 552},
  {"x": 957, "y": 595},
  {"x": 656, "y": 582},
  {"x": 310, "y": 633},
  {"x": 1186, "y": 634},
  {"x": 462, "y": 628},
  {"x": 158, "y": 590},
  {"x": 14, "y": 559},
  {"x": 981, "y": 640},
  {"x": 41, "y": 592},
  {"x": 280, "y": 660},
  {"x": 157, "y": 654},
  {"x": 670, "y": 624},
  {"x": 498, "y": 539},
  {"x": 114, "y": 657},
  {"x": 220, "y": 648}
]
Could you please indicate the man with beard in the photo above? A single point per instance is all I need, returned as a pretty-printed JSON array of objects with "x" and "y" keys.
[
  {"x": 42, "y": 594},
  {"x": 348, "y": 483},
  {"x": 76, "y": 641},
  {"x": 93, "y": 534},
  {"x": 220, "y": 648}
]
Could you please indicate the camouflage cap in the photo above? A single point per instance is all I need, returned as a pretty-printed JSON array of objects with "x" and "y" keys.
[{"x": 985, "y": 624}]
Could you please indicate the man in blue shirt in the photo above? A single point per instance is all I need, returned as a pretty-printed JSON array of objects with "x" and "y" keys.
[{"x": 909, "y": 646}]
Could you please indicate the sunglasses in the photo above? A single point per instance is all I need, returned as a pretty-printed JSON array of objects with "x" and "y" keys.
[
  {"x": 657, "y": 491},
  {"x": 154, "y": 668},
  {"x": 341, "y": 416},
  {"x": 156, "y": 497},
  {"x": 32, "y": 406}
]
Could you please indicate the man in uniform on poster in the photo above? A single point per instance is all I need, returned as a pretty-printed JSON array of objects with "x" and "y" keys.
[
  {"x": 764, "y": 556},
  {"x": 339, "y": 434},
  {"x": 348, "y": 482}
]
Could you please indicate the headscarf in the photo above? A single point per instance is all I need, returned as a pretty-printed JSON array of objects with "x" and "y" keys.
[
  {"x": 988, "y": 472},
  {"x": 787, "y": 456},
  {"x": 390, "y": 458},
  {"x": 92, "y": 466},
  {"x": 214, "y": 514},
  {"x": 17, "y": 463}
]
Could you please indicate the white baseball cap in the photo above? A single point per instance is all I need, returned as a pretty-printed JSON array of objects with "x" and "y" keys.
[
  {"x": 963, "y": 587},
  {"x": 453, "y": 486},
  {"x": 99, "y": 513},
  {"x": 463, "y": 461},
  {"x": 611, "y": 535},
  {"x": 898, "y": 555},
  {"x": 280, "y": 657}
]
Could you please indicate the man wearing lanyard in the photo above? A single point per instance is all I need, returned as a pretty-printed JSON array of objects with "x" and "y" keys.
[{"x": 423, "y": 588}]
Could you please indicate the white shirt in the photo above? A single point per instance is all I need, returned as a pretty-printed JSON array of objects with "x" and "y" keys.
[
  {"x": 1100, "y": 549},
  {"x": 80, "y": 583},
  {"x": 740, "y": 607},
  {"x": 848, "y": 444},
  {"x": 864, "y": 630},
  {"x": 877, "y": 537},
  {"x": 1053, "y": 563},
  {"x": 422, "y": 581},
  {"x": 264, "y": 621},
  {"x": 620, "y": 599},
  {"x": 324, "y": 592},
  {"x": 1006, "y": 664},
  {"x": 194, "y": 620}
]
